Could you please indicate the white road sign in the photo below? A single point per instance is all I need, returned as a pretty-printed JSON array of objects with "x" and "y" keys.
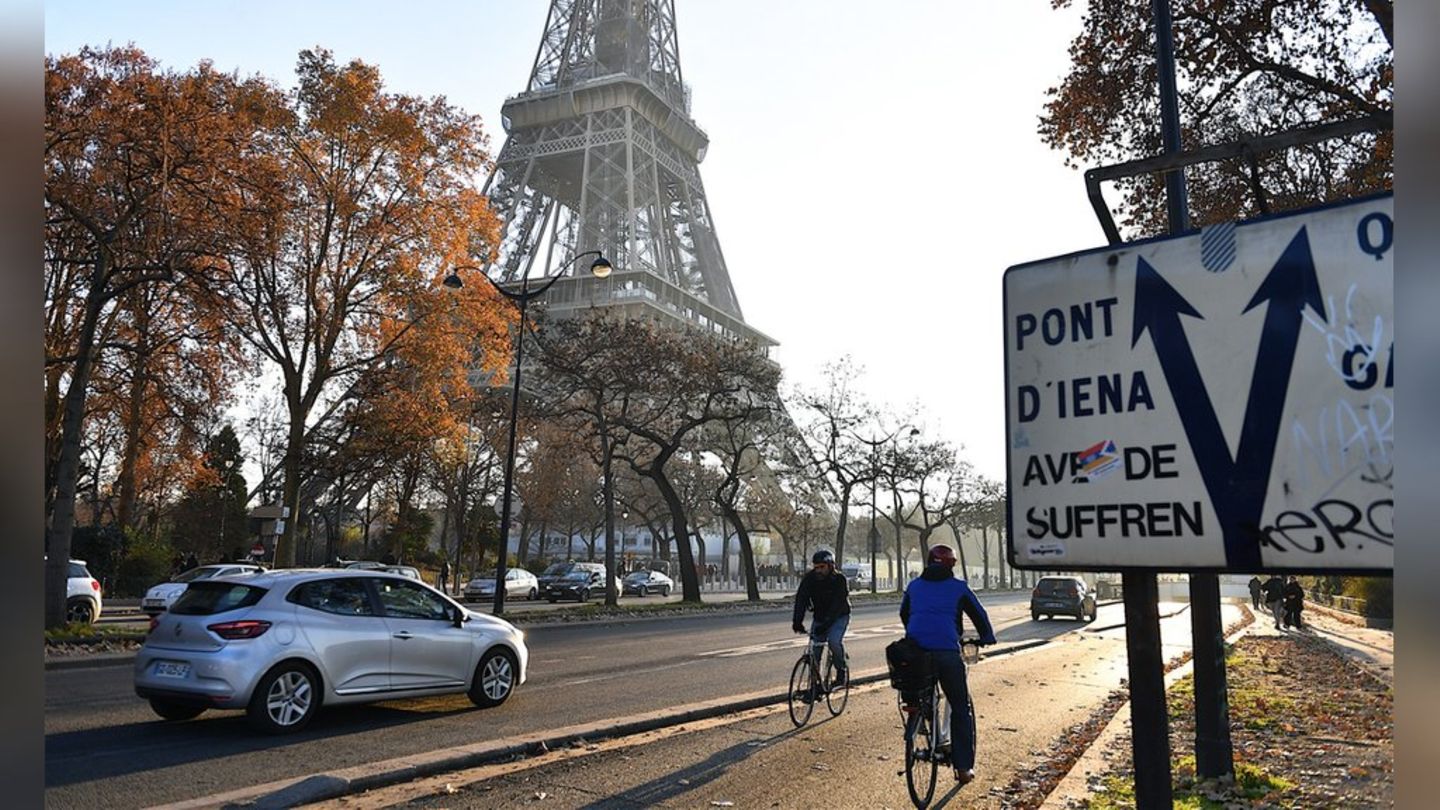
[{"x": 1218, "y": 401}]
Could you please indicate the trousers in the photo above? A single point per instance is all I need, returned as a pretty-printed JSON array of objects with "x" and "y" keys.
[
  {"x": 950, "y": 668},
  {"x": 833, "y": 636}
]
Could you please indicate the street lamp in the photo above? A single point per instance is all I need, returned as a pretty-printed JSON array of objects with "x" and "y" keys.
[
  {"x": 600, "y": 268},
  {"x": 874, "y": 476}
]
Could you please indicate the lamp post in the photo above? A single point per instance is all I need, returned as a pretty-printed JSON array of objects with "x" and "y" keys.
[
  {"x": 600, "y": 268},
  {"x": 874, "y": 477}
]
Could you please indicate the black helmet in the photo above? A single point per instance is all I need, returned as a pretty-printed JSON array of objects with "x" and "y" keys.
[{"x": 823, "y": 556}]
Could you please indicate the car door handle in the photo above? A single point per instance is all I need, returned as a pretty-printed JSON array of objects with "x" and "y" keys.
[{"x": 404, "y": 634}]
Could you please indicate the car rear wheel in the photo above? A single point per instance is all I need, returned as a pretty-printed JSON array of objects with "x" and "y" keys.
[
  {"x": 285, "y": 699},
  {"x": 665, "y": 590},
  {"x": 172, "y": 710},
  {"x": 533, "y": 595},
  {"x": 1034, "y": 617},
  {"x": 81, "y": 611},
  {"x": 495, "y": 678}
]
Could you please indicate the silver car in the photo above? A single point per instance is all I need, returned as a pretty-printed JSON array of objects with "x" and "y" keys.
[
  {"x": 280, "y": 644},
  {"x": 519, "y": 584}
]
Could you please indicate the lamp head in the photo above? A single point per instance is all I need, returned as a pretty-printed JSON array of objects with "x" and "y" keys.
[
  {"x": 453, "y": 280},
  {"x": 600, "y": 268}
]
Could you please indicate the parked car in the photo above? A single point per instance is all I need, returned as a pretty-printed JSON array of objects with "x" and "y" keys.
[
  {"x": 519, "y": 584},
  {"x": 280, "y": 644},
  {"x": 552, "y": 572},
  {"x": 402, "y": 570},
  {"x": 583, "y": 582},
  {"x": 364, "y": 565},
  {"x": 857, "y": 575},
  {"x": 1062, "y": 595},
  {"x": 641, "y": 583},
  {"x": 82, "y": 594},
  {"x": 159, "y": 598}
]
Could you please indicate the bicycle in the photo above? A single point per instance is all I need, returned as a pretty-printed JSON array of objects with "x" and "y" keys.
[
  {"x": 926, "y": 715},
  {"x": 812, "y": 676}
]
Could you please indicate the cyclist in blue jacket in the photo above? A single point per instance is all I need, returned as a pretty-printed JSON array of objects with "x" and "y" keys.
[{"x": 933, "y": 611}]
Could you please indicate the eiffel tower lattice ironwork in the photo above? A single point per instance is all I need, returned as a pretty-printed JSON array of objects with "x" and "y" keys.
[{"x": 601, "y": 154}]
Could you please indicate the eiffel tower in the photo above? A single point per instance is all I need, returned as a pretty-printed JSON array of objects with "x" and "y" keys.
[{"x": 601, "y": 154}]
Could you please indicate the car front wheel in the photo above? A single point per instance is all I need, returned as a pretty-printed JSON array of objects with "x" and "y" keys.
[
  {"x": 172, "y": 710},
  {"x": 495, "y": 678},
  {"x": 533, "y": 595},
  {"x": 285, "y": 699}
]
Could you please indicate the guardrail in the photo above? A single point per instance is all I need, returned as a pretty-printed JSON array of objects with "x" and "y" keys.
[{"x": 1349, "y": 604}]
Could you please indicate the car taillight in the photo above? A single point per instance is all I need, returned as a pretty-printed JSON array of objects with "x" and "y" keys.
[
  {"x": 95, "y": 585},
  {"x": 240, "y": 629},
  {"x": 154, "y": 620},
  {"x": 1035, "y": 592}
]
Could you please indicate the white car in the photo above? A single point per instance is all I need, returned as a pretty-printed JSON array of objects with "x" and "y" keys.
[
  {"x": 82, "y": 594},
  {"x": 159, "y": 598}
]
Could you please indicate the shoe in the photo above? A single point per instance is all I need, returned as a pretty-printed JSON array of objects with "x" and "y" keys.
[{"x": 965, "y": 777}]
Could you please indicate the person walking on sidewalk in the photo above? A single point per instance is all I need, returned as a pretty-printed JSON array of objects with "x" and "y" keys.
[
  {"x": 1294, "y": 602},
  {"x": 1274, "y": 596},
  {"x": 933, "y": 612},
  {"x": 828, "y": 595},
  {"x": 1255, "y": 592},
  {"x": 444, "y": 576}
]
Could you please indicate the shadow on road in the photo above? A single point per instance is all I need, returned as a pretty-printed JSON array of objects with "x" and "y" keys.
[
  {"x": 92, "y": 754},
  {"x": 678, "y": 783}
]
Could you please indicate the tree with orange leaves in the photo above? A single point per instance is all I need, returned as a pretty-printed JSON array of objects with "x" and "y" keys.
[
  {"x": 1246, "y": 68},
  {"x": 141, "y": 168},
  {"x": 369, "y": 197}
]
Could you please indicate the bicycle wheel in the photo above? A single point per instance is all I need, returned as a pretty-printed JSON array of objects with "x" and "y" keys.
[
  {"x": 837, "y": 690},
  {"x": 919, "y": 761},
  {"x": 802, "y": 689}
]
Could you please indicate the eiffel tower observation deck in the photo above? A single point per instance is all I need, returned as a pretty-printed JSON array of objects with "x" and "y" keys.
[{"x": 601, "y": 154}]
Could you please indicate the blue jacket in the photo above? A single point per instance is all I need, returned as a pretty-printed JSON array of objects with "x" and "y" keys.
[{"x": 934, "y": 608}]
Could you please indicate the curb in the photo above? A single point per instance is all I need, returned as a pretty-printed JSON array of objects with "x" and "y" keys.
[
  {"x": 346, "y": 781},
  {"x": 90, "y": 661}
]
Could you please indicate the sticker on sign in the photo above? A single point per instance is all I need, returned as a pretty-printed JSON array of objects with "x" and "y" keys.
[{"x": 1221, "y": 401}]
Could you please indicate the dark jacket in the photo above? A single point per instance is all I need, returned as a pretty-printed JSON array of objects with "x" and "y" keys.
[
  {"x": 1254, "y": 586},
  {"x": 934, "y": 610},
  {"x": 828, "y": 595},
  {"x": 1294, "y": 594},
  {"x": 1274, "y": 589}
]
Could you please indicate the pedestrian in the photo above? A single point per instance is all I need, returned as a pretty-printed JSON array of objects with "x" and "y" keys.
[
  {"x": 1255, "y": 592},
  {"x": 191, "y": 562},
  {"x": 444, "y": 574},
  {"x": 1294, "y": 602},
  {"x": 1274, "y": 596}
]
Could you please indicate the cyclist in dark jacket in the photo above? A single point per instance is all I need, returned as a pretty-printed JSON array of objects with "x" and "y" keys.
[
  {"x": 828, "y": 594},
  {"x": 933, "y": 613}
]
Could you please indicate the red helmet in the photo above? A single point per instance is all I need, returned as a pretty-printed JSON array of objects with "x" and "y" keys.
[{"x": 941, "y": 554}]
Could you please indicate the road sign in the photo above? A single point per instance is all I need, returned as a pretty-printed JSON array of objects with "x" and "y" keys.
[{"x": 1221, "y": 401}]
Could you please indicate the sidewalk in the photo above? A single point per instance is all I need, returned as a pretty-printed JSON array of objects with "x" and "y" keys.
[{"x": 1307, "y": 730}]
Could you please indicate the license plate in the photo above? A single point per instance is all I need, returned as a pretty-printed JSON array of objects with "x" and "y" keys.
[{"x": 171, "y": 669}]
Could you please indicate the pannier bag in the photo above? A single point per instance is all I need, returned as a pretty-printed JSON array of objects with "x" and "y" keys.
[{"x": 912, "y": 669}]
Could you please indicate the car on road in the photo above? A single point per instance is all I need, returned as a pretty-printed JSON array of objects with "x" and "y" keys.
[
  {"x": 857, "y": 575},
  {"x": 519, "y": 584},
  {"x": 1054, "y": 596},
  {"x": 281, "y": 644},
  {"x": 641, "y": 583},
  {"x": 159, "y": 598},
  {"x": 83, "y": 599},
  {"x": 583, "y": 582}
]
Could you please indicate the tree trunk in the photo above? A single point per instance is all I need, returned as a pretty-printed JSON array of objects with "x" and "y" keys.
[
  {"x": 960, "y": 549},
  {"x": 1000, "y": 561},
  {"x": 284, "y": 556},
  {"x": 67, "y": 469},
  {"x": 747, "y": 555},
  {"x": 612, "y": 597},
  {"x": 844, "y": 519},
  {"x": 985, "y": 555},
  {"x": 724, "y": 551},
  {"x": 134, "y": 440},
  {"x": 899, "y": 545},
  {"x": 689, "y": 582}
]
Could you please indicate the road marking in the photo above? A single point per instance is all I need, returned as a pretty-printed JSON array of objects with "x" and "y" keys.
[{"x": 797, "y": 642}]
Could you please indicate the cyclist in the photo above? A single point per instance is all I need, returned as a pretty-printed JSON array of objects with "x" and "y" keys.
[
  {"x": 932, "y": 612},
  {"x": 827, "y": 592}
]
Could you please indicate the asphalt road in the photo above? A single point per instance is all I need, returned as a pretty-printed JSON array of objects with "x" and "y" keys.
[
  {"x": 104, "y": 747},
  {"x": 1024, "y": 701}
]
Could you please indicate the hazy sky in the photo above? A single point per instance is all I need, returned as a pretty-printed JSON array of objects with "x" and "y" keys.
[{"x": 872, "y": 171}]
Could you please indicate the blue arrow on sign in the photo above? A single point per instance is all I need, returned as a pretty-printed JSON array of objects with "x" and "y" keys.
[{"x": 1237, "y": 486}]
